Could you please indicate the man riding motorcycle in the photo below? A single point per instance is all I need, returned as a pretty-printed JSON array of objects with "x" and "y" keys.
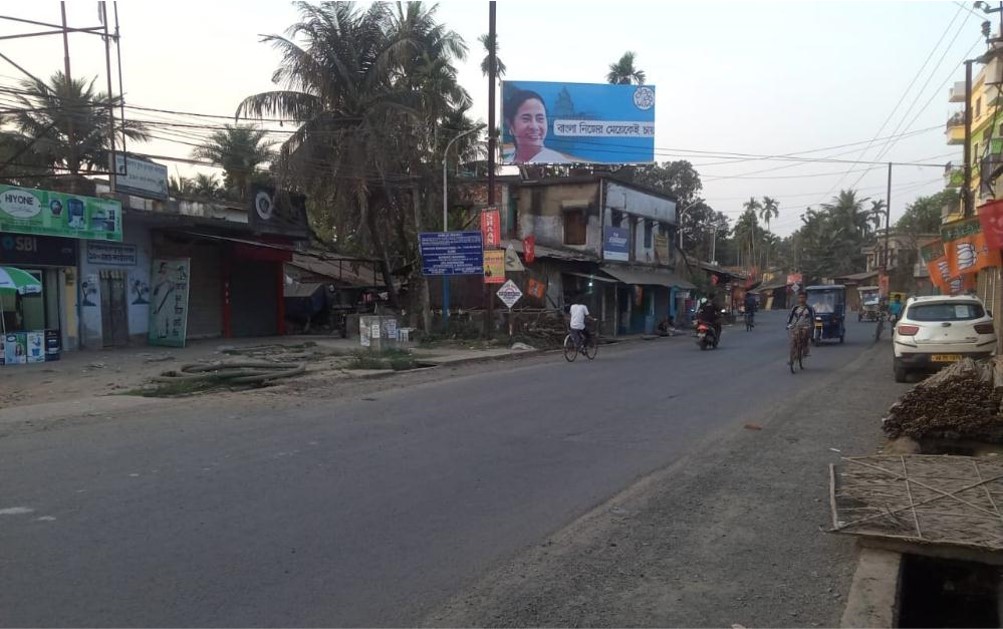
[{"x": 709, "y": 313}]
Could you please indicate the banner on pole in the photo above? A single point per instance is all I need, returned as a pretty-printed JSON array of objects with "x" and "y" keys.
[{"x": 966, "y": 248}]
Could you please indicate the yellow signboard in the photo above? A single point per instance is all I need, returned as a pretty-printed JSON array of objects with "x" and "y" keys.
[{"x": 494, "y": 266}]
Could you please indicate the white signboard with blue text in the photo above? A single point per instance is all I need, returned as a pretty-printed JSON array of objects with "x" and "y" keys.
[
  {"x": 140, "y": 177},
  {"x": 452, "y": 253},
  {"x": 616, "y": 243}
]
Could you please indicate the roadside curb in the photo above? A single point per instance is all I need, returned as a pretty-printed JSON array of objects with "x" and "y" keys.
[
  {"x": 74, "y": 408},
  {"x": 872, "y": 601}
]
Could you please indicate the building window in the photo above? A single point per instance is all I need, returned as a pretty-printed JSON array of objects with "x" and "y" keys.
[
  {"x": 616, "y": 218},
  {"x": 574, "y": 227},
  {"x": 648, "y": 229},
  {"x": 978, "y": 107}
]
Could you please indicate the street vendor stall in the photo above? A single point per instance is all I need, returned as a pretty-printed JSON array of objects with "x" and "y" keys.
[{"x": 18, "y": 345}]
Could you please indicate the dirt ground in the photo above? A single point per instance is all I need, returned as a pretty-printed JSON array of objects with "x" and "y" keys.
[{"x": 88, "y": 374}]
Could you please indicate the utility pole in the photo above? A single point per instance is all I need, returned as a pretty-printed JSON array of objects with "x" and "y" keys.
[
  {"x": 966, "y": 198},
  {"x": 112, "y": 170},
  {"x": 888, "y": 219},
  {"x": 713, "y": 244},
  {"x": 492, "y": 80},
  {"x": 74, "y": 162}
]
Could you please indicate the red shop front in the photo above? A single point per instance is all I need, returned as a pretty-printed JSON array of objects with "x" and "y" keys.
[{"x": 254, "y": 289}]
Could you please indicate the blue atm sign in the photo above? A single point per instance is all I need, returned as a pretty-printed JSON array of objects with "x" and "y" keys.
[{"x": 452, "y": 253}]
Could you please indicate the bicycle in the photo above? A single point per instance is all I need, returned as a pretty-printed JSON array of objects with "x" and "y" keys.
[
  {"x": 749, "y": 321},
  {"x": 588, "y": 348},
  {"x": 880, "y": 328},
  {"x": 799, "y": 348}
]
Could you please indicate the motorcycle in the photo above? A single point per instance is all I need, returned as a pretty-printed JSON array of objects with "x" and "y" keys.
[{"x": 706, "y": 337}]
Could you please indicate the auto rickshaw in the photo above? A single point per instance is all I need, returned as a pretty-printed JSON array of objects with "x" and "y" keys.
[
  {"x": 829, "y": 303},
  {"x": 870, "y": 302}
]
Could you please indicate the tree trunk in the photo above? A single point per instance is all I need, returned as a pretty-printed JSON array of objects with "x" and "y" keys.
[
  {"x": 381, "y": 251},
  {"x": 423, "y": 296}
]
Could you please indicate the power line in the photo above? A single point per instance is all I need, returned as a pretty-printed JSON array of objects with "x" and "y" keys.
[{"x": 919, "y": 73}]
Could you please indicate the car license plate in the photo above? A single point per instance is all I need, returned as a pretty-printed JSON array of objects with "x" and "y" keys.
[{"x": 945, "y": 358}]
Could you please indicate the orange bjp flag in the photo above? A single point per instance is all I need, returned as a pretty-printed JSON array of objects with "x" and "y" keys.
[
  {"x": 966, "y": 248},
  {"x": 936, "y": 264}
]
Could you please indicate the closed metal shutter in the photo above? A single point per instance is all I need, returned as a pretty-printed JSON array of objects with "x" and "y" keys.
[
  {"x": 254, "y": 298},
  {"x": 205, "y": 297}
]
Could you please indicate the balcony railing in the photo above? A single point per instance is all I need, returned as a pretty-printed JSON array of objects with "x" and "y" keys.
[
  {"x": 957, "y": 93},
  {"x": 954, "y": 177},
  {"x": 956, "y": 129}
]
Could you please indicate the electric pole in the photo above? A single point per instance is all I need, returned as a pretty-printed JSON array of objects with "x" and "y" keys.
[
  {"x": 966, "y": 198},
  {"x": 74, "y": 162},
  {"x": 492, "y": 79}
]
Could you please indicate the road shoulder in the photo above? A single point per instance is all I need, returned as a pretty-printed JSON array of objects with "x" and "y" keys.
[{"x": 731, "y": 534}]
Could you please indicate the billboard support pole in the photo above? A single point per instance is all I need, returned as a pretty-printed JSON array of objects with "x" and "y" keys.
[{"x": 492, "y": 79}]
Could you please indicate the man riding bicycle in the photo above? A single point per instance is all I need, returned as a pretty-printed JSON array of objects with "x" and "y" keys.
[
  {"x": 801, "y": 320},
  {"x": 579, "y": 314},
  {"x": 895, "y": 309}
]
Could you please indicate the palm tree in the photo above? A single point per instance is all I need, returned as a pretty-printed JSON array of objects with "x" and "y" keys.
[
  {"x": 347, "y": 76},
  {"x": 769, "y": 210},
  {"x": 848, "y": 210},
  {"x": 207, "y": 186},
  {"x": 181, "y": 187},
  {"x": 486, "y": 41},
  {"x": 239, "y": 150},
  {"x": 69, "y": 122},
  {"x": 751, "y": 220},
  {"x": 623, "y": 71}
]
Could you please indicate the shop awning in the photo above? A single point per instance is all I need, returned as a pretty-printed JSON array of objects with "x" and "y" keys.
[
  {"x": 647, "y": 277},
  {"x": 858, "y": 277},
  {"x": 548, "y": 252}
]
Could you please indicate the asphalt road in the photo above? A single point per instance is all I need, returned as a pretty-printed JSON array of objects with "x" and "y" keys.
[{"x": 372, "y": 509}]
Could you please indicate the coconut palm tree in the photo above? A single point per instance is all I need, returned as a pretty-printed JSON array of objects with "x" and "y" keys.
[
  {"x": 751, "y": 220},
  {"x": 348, "y": 76},
  {"x": 769, "y": 209},
  {"x": 181, "y": 187},
  {"x": 486, "y": 41},
  {"x": 623, "y": 71},
  {"x": 207, "y": 186},
  {"x": 69, "y": 124},
  {"x": 239, "y": 150}
]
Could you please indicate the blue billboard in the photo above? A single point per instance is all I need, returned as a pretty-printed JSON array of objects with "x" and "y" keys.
[
  {"x": 568, "y": 123},
  {"x": 616, "y": 243},
  {"x": 451, "y": 253}
]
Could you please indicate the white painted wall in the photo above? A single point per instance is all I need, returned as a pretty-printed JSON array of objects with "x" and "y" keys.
[
  {"x": 138, "y": 278},
  {"x": 638, "y": 203}
]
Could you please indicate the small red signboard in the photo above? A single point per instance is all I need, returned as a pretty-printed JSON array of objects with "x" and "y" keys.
[
  {"x": 529, "y": 249},
  {"x": 491, "y": 227}
]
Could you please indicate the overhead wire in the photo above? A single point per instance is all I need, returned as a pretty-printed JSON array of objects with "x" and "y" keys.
[{"x": 908, "y": 89}]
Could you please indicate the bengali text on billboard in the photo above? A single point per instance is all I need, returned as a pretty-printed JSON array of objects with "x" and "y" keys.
[{"x": 567, "y": 123}]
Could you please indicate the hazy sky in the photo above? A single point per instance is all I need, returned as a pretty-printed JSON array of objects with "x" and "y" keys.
[{"x": 763, "y": 78}]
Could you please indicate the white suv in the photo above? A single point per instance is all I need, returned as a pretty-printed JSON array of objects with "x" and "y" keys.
[{"x": 936, "y": 331}]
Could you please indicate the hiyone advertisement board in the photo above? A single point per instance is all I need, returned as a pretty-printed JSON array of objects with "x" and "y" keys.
[
  {"x": 45, "y": 213},
  {"x": 567, "y": 123}
]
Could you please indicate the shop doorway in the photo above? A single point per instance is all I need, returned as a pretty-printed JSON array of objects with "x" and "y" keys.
[{"x": 114, "y": 309}]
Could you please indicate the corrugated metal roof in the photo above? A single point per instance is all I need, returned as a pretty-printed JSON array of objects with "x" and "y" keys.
[{"x": 646, "y": 277}]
